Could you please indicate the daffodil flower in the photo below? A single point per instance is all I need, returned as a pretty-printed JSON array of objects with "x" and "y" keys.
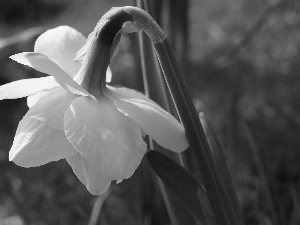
[{"x": 98, "y": 132}]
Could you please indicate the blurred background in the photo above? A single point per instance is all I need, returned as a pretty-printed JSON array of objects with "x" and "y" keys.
[{"x": 241, "y": 61}]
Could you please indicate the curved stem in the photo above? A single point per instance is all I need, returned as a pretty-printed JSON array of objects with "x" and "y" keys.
[
  {"x": 142, "y": 21},
  {"x": 216, "y": 193},
  {"x": 156, "y": 89},
  {"x": 98, "y": 51}
]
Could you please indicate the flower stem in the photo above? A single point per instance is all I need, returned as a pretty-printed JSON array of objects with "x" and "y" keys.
[
  {"x": 195, "y": 134},
  {"x": 142, "y": 21},
  {"x": 156, "y": 89},
  {"x": 216, "y": 194},
  {"x": 98, "y": 52}
]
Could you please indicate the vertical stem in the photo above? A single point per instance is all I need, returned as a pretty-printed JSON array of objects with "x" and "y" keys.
[
  {"x": 296, "y": 202},
  {"x": 217, "y": 195},
  {"x": 145, "y": 75},
  {"x": 155, "y": 88},
  {"x": 262, "y": 175},
  {"x": 152, "y": 73},
  {"x": 219, "y": 157}
]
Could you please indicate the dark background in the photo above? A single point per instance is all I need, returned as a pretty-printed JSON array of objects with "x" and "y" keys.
[{"x": 241, "y": 59}]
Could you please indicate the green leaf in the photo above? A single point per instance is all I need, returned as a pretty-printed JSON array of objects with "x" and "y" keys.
[{"x": 181, "y": 182}]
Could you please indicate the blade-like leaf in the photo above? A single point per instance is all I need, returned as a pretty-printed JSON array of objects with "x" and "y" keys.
[
  {"x": 219, "y": 157},
  {"x": 180, "y": 181}
]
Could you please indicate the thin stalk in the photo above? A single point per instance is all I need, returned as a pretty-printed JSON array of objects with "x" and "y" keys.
[
  {"x": 219, "y": 201},
  {"x": 219, "y": 157},
  {"x": 97, "y": 208},
  {"x": 153, "y": 81},
  {"x": 155, "y": 89},
  {"x": 269, "y": 202},
  {"x": 216, "y": 194},
  {"x": 145, "y": 74},
  {"x": 296, "y": 203}
]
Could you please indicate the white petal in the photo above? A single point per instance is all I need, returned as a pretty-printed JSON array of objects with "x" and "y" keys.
[
  {"x": 97, "y": 184},
  {"x": 36, "y": 144},
  {"x": 51, "y": 108},
  {"x": 25, "y": 87},
  {"x": 32, "y": 99},
  {"x": 81, "y": 53},
  {"x": 75, "y": 161},
  {"x": 105, "y": 137},
  {"x": 61, "y": 45},
  {"x": 155, "y": 121},
  {"x": 43, "y": 64}
]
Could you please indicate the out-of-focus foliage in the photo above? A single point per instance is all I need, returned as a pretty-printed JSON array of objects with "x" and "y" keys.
[
  {"x": 241, "y": 61},
  {"x": 245, "y": 73},
  {"x": 14, "y": 12}
]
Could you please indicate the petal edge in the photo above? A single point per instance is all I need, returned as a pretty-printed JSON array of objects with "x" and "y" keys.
[
  {"x": 36, "y": 144},
  {"x": 155, "y": 121},
  {"x": 61, "y": 44},
  {"x": 45, "y": 65},
  {"x": 26, "y": 87}
]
